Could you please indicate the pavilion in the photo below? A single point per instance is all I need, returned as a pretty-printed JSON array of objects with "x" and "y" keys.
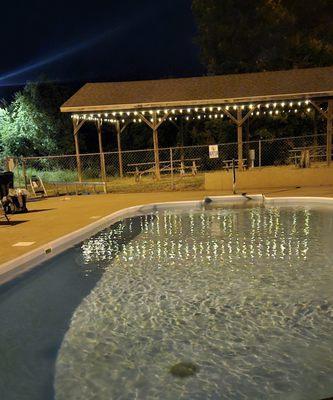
[{"x": 237, "y": 97}]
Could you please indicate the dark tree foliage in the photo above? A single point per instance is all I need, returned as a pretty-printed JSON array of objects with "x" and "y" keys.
[{"x": 238, "y": 36}]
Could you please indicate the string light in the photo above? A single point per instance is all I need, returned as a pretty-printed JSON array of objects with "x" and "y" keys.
[{"x": 277, "y": 109}]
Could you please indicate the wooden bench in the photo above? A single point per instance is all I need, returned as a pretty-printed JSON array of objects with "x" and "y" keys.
[
  {"x": 227, "y": 164},
  {"x": 165, "y": 166},
  {"x": 75, "y": 187},
  {"x": 317, "y": 153}
]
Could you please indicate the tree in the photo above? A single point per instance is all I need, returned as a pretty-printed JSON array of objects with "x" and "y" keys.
[
  {"x": 238, "y": 36},
  {"x": 33, "y": 125}
]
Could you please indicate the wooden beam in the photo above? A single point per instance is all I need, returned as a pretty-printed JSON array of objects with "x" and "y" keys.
[
  {"x": 162, "y": 120},
  {"x": 240, "y": 137},
  {"x": 156, "y": 149},
  {"x": 199, "y": 103},
  {"x": 329, "y": 131},
  {"x": 247, "y": 116},
  {"x": 120, "y": 157},
  {"x": 317, "y": 107},
  {"x": 146, "y": 120},
  {"x": 76, "y": 127},
  {"x": 101, "y": 152},
  {"x": 124, "y": 126},
  {"x": 230, "y": 115},
  {"x": 154, "y": 126}
]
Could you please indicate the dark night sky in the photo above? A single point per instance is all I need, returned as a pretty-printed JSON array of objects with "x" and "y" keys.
[{"x": 104, "y": 40}]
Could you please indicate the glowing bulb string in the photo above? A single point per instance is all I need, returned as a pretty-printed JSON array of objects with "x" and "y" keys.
[{"x": 199, "y": 113}]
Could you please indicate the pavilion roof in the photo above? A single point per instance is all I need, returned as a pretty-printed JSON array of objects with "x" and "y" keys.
[{"x": 207, "y": 90}]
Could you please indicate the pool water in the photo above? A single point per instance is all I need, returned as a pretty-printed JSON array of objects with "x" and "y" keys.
[
  {"x": 244, "y": 294},
  {"x": 35, "y": 313}
]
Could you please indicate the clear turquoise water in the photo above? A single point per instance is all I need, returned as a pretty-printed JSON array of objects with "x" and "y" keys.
[
  {"x": 36, "y": 309},
  {"x": 246, "y": 294}
]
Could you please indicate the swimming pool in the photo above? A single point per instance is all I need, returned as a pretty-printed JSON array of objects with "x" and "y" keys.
[{"x": 241, "y": 293}]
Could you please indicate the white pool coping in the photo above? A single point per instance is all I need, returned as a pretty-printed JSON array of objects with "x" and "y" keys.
[{"x": 14, "y": 268}]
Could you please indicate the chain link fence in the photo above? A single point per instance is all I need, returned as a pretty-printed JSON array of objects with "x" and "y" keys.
[{"x": 181, "y": 167}]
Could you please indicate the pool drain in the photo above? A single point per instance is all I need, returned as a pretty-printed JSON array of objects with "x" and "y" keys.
[{"x": 184, "y": 369}]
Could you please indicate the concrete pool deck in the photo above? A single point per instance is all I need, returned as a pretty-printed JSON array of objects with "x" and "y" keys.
[{"x": 52, "y": 218}]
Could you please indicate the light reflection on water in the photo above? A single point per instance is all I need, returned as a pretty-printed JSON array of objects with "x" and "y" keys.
[{"x": 246, "y": 294}]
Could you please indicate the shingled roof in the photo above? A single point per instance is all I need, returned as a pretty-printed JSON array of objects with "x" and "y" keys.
[{"x": 207, "y": 90}]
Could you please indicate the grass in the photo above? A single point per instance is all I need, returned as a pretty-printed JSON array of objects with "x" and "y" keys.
[
  {"x": 128, "y": 185},
  {"x": 114, "y": 184}
]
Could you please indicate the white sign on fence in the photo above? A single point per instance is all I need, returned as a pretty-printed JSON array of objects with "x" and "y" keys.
[{"x": 214, "y": 151}]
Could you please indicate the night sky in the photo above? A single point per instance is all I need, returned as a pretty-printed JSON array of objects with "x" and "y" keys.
[{"x": 110, "y": 40}]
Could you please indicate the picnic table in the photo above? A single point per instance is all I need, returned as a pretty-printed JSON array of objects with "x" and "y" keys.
[
  {"x": 76, "y": 187},
  {"x": 227, "y": 164},
  {"x": 166, "y": 166},
  {"x": 316, "y": 153}
]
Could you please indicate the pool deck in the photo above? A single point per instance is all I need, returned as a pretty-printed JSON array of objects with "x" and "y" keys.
[{"x": 55, "y": 217}]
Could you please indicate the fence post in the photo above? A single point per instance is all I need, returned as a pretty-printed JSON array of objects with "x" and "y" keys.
[
  {"x": 6, "y": 163},
  {"x": 103, "y": 172},
  {"x": 171, "y": 166},
  {"x": 103, "y": 169},
  {"x": 24, "y": 171},
  {"x": 233, "y": 177},
  {"x": 120, "y": 156},
  {"x": 259, "y": 153}
]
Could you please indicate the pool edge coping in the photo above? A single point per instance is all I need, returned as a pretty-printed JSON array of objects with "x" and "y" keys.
[{"x": 26, "y": 262}]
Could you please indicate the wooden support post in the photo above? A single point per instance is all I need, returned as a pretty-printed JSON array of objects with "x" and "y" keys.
[
  {"x": 76, "y": 127},
  {"x": 78, "y": 160},
  {"x": 171, "y": 167},
  {"x": 101, "y": 152},
  {"x": 154, "y": 125},
  {"x": 24, "y": 171},
  {"x": 120, "y": 157},
  {"x": 240, "y": 137},
  {"x": 329, "y": 131},
  {"x": 156, "y": 150}
]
